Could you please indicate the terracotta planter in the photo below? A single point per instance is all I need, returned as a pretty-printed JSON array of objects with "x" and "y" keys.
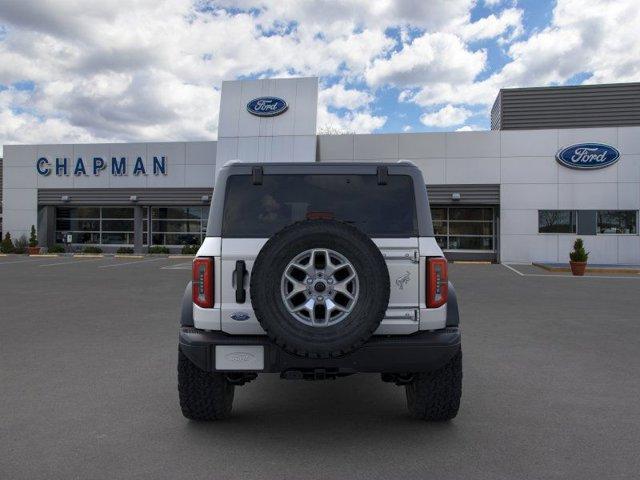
[
  {"x": 33, "y": 250},
  {"x": 578, "y": 268}
]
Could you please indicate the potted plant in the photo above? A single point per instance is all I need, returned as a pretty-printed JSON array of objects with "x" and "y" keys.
[
  {"x": 578, "y": 258},
  {"x": 33, "y": 249}
]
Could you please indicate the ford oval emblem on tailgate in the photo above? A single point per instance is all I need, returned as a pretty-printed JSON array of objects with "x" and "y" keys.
[{"x": 240, "y": 316}]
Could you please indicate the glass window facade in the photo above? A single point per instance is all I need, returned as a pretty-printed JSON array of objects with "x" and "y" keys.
[
  {"x": 618, "y": 221},
  {"x": 556, "y": 221},
  {"x": 95, "y": 225},
  {"x": 177, "y": 225},
  {"x": 171, "y": 226},
  {"x": 464, "y": 228}
]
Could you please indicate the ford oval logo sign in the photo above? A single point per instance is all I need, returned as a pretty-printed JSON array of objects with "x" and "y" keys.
[
  {"x": 240, "y": 316},
  {"x": 588, "y": 156},
  {"x": 267, "y": 106}
]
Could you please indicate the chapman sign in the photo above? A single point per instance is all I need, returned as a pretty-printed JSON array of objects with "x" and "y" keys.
[
  {"x": 267, "y": 106},
  {"x": 588, "y": 156},
  {"x": 118, "y": 166}
]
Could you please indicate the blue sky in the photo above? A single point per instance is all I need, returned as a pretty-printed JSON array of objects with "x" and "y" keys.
[{"x": 77, "y": 71}]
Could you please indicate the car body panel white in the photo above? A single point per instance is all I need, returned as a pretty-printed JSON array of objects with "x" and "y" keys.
[{"x": 406, "y": 261}]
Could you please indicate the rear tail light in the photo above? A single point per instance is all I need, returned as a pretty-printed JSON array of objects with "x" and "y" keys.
[
  {"x": 437, "y": 282},
  {"x": 202, "y": 282}
]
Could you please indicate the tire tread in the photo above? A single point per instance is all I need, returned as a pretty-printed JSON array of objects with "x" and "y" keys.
[{"x": 203, "y": 395}]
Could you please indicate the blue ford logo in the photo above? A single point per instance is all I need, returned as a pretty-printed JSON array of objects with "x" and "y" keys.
[
  {"x": 240, "y": 316},
  {"x": 588, "y": 156},
  {"x": 267, "y": 106}
]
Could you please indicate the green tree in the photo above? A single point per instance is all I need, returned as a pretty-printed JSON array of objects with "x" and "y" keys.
[
  {"x": 7, "y": 244},
  {"x": 579, "y": 254},
  {"x": 33, "y": 237}
]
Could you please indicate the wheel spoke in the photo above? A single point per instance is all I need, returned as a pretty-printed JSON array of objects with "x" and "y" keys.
[
  {"x": 331, "y": 306},
  {"x": 342, "y": 286},
  {"x": 297, "y": 288},
  {"x": 307, "y": 269},
  {"x": 312, "y": 273},
  {"x": 331, "y": 268}
]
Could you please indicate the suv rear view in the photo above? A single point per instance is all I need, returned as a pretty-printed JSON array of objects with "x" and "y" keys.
[{"x": 317, "y": 271}]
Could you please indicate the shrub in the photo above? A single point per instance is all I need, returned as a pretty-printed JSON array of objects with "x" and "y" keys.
[
  {"x": 20, "y": 245},
  {"x": 190, "y": 249},
  {"x": 579, "y": 254},
  {"x": 57, "y": 248},
  {"x": 91, "y": 249},
  {"x": 33, "y": 238},
  {"x": 125, "y": 251},
  {"x": 158, "y": 249},
  {"x": 7, "y": 244}
]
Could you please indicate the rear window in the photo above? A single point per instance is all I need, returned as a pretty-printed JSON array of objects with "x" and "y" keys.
[{"x": 261, "y": 210}]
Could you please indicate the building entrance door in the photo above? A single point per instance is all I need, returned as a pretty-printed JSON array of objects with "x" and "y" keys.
[{"x": 466, "y": 232}]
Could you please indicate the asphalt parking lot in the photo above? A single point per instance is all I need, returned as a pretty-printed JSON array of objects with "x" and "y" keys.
[{"x": 88, "y": 386}]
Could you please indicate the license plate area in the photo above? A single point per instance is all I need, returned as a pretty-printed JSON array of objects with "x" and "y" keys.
[{"x": 239, "y": 357}]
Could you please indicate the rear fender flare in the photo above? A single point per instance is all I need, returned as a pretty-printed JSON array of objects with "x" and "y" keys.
[
  {"x": 453, "y": 314},
  {"x": 186, "y": 309}
]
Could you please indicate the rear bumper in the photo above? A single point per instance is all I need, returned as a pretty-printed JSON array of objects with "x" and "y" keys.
[{"x": 420, "y": 352}]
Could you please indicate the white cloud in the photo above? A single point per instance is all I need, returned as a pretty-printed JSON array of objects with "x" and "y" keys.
[
  {"x": 358, "y": 122},
  {"x": 597, "y": 38},
  {"x": 469, "y": 128},
  {"x": 509, "y": 22},
  {"x": 340, "y": 97},
  {"x": 447, "y": 116},
  {"x": 407, "y": 128},
  {"x": 441, "y": 57},
  {"x": 151, "y": 70}
]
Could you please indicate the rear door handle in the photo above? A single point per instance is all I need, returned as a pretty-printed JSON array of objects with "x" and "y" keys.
[{"x": 240, "y": 272}]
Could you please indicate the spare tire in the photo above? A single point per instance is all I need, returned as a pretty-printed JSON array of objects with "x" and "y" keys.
[{"x": 320, "y": 288}]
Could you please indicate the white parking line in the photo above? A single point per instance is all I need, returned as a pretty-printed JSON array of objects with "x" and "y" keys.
[
  {"x": 130, "y": 263},
  {"x": 178, "y": 266},
  {"x": 513, "y": 269},
  {"x": 30, "y": 260},
  {"x": 549, "y": 275},
  {"x": 73, "y": 262}
]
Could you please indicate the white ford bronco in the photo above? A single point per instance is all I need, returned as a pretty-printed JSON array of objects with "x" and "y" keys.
[{"x": 318, "y": 271}]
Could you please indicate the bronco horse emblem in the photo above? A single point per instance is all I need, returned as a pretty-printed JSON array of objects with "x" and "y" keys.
[{"x": 403, "y": 280}]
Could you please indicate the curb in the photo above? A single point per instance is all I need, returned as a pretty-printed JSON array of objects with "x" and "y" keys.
[
  {"x": 127, "y": 255},
  {"x": 473, "y": 262},
  {"x": 588, "y": 270},
  {"x": 45, "y": 255},
  {"x": 88, "y": 255},
  {"x": 181, "y": 256}
]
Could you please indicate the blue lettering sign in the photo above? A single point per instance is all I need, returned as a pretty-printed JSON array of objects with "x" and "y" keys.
[
  {"x": 159, "y": 166},
  {"x": 139, "y": 167},
  {"x": 98, "y": 165},
  {"x": 61, "y": 166},
  {"x": 79, "y": 170},
  {"x": 119, "y": 167},
  {"x": 42, "y": 165}
]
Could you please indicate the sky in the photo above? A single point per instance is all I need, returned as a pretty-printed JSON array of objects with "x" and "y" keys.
[{"x": 77, "y": 71}]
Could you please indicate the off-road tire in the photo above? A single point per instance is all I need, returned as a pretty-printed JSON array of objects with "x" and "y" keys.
[
  {"x": 333, "y": 340},
  {"x": 203, "y": 395},
  {"x": 435, "y": 396}
]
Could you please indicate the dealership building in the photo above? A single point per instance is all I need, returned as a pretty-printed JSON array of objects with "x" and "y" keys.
[{"x": 558, "y": 163}]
